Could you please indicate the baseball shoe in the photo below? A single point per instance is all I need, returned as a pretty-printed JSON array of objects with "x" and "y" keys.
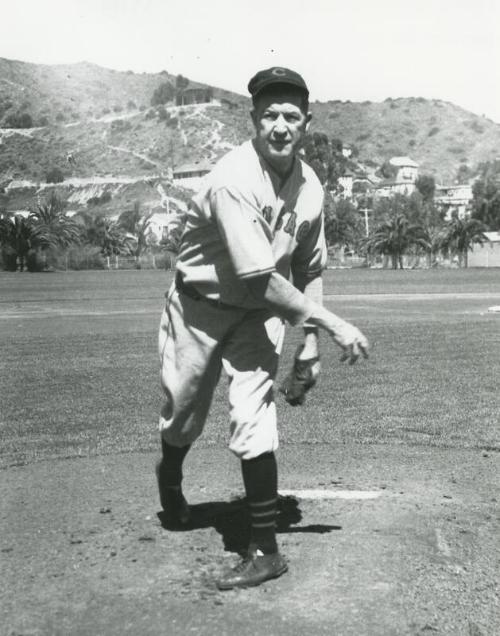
[
  {"x": 175, "y": 507},
  {"x": 254, "y": 570}
]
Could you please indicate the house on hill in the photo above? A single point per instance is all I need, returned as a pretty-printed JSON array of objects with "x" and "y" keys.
[
  {"x": 488, "y": 254},
  {"x": 403, "y": 182},
  {"x": 194, "y": 96},
  {"x": 454, "y": 200},
  {"x": 190, "y": 175}
]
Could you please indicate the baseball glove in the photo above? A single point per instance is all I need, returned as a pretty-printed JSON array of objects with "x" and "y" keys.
[{"x": 301, "y": 378}]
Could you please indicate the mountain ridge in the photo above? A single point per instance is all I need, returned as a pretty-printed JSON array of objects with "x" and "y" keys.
[{"x": 104, "y": 119}]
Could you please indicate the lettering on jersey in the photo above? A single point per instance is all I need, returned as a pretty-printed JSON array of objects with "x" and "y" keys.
[
  {"x": 290, "y": 224},
  {"x": 303, "y": 231},
  {"x": 279, "y": 222},
  {"x": 267, "y": 213}
]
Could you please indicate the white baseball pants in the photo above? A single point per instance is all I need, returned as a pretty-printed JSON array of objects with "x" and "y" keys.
[{"x": 196, "y": 340}]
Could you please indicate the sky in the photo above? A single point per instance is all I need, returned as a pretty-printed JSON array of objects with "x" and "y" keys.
[{"x": 345, "y": 49}]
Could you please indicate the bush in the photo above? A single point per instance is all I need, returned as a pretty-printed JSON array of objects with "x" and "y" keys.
[
  {"x": 19, "y": 120},
  {"x": 131, "y": 105},
  {"x": 78, "y": 257},
  {"x": 433, "y": 131},
  {"x": 163, "y": 94},
  {"x": 162, "y": 113},
  {"x": 9, "y": 259},
  {"x": 54, "y": 176},
  {"x": 35, "y": 262},
  {"x": 117, "y": 108}
]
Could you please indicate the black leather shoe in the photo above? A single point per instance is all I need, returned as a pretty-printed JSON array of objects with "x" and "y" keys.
[
  {"x": 253, "y": 570},
  {"x": 175, "y": 507}
]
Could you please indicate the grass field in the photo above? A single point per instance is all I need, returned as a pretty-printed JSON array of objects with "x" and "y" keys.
[{"x": 79, "y": 372}]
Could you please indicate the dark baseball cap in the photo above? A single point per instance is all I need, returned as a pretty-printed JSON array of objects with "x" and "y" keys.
[{"x": 276, "y": 75}]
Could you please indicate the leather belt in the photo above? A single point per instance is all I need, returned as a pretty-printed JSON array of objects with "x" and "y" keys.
[{"x": 191, "y": 292}]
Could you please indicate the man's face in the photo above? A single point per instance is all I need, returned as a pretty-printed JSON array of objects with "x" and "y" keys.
[{"x": 280, "y": 123}]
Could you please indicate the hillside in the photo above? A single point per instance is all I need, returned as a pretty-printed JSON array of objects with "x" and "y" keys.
[{"x": 90, "y": 121}]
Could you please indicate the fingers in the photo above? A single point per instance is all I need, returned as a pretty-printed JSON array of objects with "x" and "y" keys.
[{"x": 354, "y": 350}]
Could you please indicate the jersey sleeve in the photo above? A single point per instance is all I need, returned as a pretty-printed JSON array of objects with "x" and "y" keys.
[
  {"x": 243, "y": 231},
  {"x": 310, "y": 255}
]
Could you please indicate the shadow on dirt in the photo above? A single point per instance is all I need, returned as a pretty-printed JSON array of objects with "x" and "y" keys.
[{"x": 232, "y": 521}]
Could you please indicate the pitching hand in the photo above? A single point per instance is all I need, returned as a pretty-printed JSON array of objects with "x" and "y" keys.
[{"x": 351, "y": 340}]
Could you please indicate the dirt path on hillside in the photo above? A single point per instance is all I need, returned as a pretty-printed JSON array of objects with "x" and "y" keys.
[{"x": 83, "y": 551}]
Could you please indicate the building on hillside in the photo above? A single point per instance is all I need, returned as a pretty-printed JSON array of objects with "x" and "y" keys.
[
  {"x": 194, "y": 96},
  {"x": 404, "y": 180},
  {"x": 190, "y": 175},
  {"x": 346, "y": 150},
  {"x": 454, "y": 200},
  {"x": 354, "y": 183},
  {"x": 488, "y": 254},
  {"x": 346, "y": 182},
  {"x": 407, "y": 169},
  {"x": 162, "y": 221}
]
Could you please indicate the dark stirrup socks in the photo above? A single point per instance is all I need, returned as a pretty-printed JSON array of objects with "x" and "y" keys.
[
  {"x": 260, "y": 477},
  {"x": 171, "y": 469}
]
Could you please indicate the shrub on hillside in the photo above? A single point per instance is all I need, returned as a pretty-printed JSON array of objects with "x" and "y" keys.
[
  {"x": 54, "y": 176},
  {"x": 433, "y": 131},
  {"x": 19, "y": 120},
  {"x": 163, "y": 94}
]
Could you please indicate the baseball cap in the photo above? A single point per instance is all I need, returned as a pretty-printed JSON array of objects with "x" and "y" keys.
[{"x": 276, "y": 75}]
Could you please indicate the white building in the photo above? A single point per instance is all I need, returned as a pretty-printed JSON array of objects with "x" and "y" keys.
[
  {"x": 404, "y": 180},
  {"x": 191, "y": 175},
  {"x": 455, "y": 200},
  {"x": 488, "y": 254}
]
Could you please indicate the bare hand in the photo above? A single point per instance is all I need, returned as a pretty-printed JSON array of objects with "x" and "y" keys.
[{"x": 351, "y": 340}]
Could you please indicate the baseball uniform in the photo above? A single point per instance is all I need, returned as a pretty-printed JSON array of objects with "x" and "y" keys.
[{"x": 240, "y": 225}]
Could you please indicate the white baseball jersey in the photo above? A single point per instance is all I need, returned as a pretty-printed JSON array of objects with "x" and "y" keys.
[{"x": 240, "y": 226}]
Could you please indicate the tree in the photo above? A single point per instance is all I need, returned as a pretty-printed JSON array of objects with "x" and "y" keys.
[
  {"x": 19, "y": 120},
  {"x": 325, "y": 158},
  {"x": 486, "y": 201},
  {"x": 15, "y": 240},
  {"x": 426, "y": 185},
  {"x": 181, "y": 83},
  {"x": 395, "y": 237},
  {"x": 55, "y": 175},
  {"x": 50, "y": 226},
  {"x": 343, "y": 226},
  {"x": 459, "y": 235},
  {"x": 163, "y": 94},
  {"x": 137, "y": 224}
]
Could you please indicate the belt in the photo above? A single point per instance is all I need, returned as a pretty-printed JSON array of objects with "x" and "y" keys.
[{"x": 191, "y": 292}]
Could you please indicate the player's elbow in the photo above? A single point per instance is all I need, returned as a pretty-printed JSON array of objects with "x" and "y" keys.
[{"x": 258, "y": 286}]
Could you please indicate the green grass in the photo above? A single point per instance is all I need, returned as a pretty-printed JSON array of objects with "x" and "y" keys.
[{"x": 79, "y": 376}]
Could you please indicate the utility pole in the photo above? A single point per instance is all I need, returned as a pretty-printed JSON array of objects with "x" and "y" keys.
[{"x": 365, "y": 211}]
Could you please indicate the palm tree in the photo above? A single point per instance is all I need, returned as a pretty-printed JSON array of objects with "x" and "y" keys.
[
  {"x": 16, "y": 237},
  {"x": 137, "y": 224},
  {"x": 394, "y": 238},
  {"x": 50, "y": 225},
  {"x": 459, "y": 235},
  {"x": 98, "y": 230}
]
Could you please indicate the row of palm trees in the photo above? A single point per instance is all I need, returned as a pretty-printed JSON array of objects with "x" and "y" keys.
[
  {"x": 397, "y": 236},
  {"x": 26, "y": 240},
  {"x": 402, "y": 226}
]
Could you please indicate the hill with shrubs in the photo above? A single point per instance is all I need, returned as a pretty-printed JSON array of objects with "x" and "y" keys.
[{"x": 80, "y": 121}]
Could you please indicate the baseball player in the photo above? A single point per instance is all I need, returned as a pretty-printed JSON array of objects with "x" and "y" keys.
[{"x": 255, "y": 225}]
